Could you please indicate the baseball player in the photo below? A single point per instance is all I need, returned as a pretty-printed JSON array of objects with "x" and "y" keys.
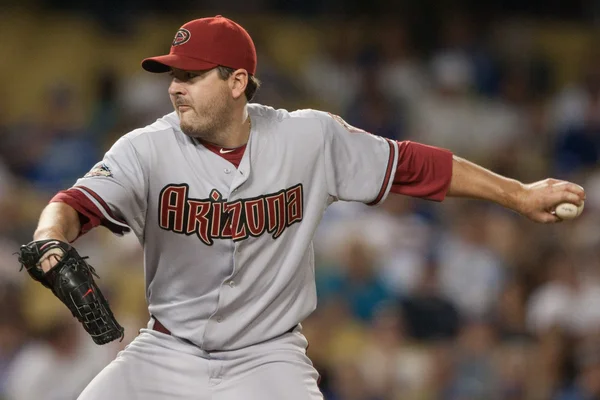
[{"x": 225, "y": 197}]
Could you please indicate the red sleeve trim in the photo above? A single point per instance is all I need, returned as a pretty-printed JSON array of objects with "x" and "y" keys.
[
  {"x": 388, "y": 174},
  {"x": 423, "y": 171},
  {"x": 90, "y": 215},
  {"x": 100, "y": 200}
]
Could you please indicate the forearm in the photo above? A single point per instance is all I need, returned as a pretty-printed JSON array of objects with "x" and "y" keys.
[
  {"x": 473, "y": 181},
  {"x": 58, "y": 221}
]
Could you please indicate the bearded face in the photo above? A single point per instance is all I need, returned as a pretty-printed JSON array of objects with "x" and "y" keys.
[{"x": 203, "y": 103}]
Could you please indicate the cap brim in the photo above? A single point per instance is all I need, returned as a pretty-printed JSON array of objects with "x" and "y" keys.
[{"x": 162, "y": 64}]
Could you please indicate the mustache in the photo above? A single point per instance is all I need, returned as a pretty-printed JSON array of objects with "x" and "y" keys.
[{"x": 180, "y": 102}]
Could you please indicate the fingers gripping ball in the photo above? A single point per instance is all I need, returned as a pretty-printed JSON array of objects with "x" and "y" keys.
[
  {"x": 568, "y": 211},
  {"x": 72, "y": 281}
]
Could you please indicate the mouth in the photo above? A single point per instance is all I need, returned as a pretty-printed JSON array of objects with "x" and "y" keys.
[{"x": 182, "y": 108}]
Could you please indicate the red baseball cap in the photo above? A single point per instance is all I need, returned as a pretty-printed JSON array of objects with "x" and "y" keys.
[{"x": 206, "y": 43}]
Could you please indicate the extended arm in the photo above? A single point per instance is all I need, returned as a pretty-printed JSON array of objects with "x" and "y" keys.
[{"x": 535, "y": 201}]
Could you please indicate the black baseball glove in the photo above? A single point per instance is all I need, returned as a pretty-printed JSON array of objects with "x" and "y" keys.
[{"x": 72, "y": 281}]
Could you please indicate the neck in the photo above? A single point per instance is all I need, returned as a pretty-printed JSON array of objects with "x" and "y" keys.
[{"x": 238, "y": 131}]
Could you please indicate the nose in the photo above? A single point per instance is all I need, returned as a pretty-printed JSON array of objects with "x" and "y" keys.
[{"x": 176, "y": 88}]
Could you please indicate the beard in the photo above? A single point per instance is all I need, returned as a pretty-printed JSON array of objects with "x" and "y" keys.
[{"x": 207, "y": 122}]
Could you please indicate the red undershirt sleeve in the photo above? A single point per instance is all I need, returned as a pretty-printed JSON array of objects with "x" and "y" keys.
[{"x": 422, "y": 171}]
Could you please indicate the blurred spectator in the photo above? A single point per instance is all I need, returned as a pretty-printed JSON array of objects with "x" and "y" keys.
[
  {"x": 105, "y": 114},
  {"x": 577, "y": 121},
  {"x": 393, "y": 366},
  {"x": 6, "y": 178},
  {"x": 521, "y": 61},
  {"x": 587, "y": 382},
  {"x": 279, "y": 90},
  {"x": 442, "y": 372},
  {"x": 143, "y": 98},
  {"x": 373, "y": 112},
  {"x": 578, "y": 147},
  {"x": 59, "y": 366},
  {"x": 332, "y": 76},
  {"x": 335, "y": 337},
  {"x": 401, "y": 75},
  {"x": 470, "y": 273},
  {"x": 579, "y": 101},
  {"x": 510, "y": 313},
  {"x": 66, "y": 151},
  {"x": 428, "y": 314},
  {"x": 461, "y": 37},
  {"x": 355, "y": 281},
  {"x": 450, "y": 116},
  {"x": 12, "y": 331},
  {"x": 348, "y": 384},
  {"x": 475, "y": 376},
  {"x": 550, "y": 359},
  {"x": 407, "y": 246},
  {"x": 507, "y": 238},
  {"x": 569, "y": 299},
  {"x": 528, "y": 154},
  {"x": 396, "y": 230},
  {"x": 514, "y": 361}
]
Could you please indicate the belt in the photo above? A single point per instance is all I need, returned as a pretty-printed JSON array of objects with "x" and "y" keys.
[{"x": 159, "y": 327}]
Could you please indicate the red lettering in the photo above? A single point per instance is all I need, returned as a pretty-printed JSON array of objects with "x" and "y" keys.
[
  {"x": 198, "y": 220},
  {"x": 294, "y": 204},
  {"x": 227, "y": 225},
  {"x": 172, "y": 207},
  {"x": 217, "y": 206},
  {"x": 255, "y": 216},
  {"x": 276, "y": 214},
  {"x": 212, "y": 217},
  {"x": 238, "y": 227}
]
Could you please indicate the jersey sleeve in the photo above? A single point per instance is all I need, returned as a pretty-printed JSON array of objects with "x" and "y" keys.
[
  {"x": 112, "y": 193},
  {"x": 359, "y": 166},
  {"x": 423, "y": 171}
]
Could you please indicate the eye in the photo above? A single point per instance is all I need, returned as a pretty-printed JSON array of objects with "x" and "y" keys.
[{"x": 183, "y": 76}]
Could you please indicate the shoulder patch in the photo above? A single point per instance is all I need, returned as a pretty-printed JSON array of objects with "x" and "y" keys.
[
  {"x": 346, "y": 125},
  {"x": 99, "y": 169}
]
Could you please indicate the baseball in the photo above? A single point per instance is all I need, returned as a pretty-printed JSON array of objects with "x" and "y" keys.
[{"x": 568, "y": 210}]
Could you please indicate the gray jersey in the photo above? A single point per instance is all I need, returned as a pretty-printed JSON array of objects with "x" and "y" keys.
[{"x": 228, "y": 252}]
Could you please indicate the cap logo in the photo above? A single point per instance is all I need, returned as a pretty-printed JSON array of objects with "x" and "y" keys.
[{"x": 181, "y": 37}]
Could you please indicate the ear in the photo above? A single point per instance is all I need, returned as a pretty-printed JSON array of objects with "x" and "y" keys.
[{"x": 238, "y": 82}]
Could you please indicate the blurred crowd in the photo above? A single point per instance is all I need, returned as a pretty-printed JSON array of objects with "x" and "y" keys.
[{"x": 417, "y": 300}]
